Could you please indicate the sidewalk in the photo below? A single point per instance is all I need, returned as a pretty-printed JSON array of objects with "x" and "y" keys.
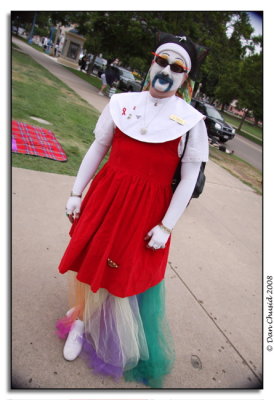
[{"x": 213, "y": 280}]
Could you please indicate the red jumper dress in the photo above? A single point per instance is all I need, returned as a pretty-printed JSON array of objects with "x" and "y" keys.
[{"x": 127, "y": 198}]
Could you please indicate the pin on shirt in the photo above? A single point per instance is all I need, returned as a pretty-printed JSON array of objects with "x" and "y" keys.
[{"x": 177, "y": 119}]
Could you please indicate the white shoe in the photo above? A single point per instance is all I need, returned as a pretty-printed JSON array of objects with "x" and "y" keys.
[
  {"x": 69, "y": 312},
  {"x": 101, "y": 94},
  {"x": 74, "y": 342}
]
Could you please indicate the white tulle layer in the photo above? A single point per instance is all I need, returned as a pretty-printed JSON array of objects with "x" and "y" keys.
[{"x": 114, "y": 328}]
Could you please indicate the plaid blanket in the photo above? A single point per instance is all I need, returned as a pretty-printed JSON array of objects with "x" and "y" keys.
[{"x": 36, "y": 141}]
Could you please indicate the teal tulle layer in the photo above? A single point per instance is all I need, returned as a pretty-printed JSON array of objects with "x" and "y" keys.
[{"x": 159, "y": 339}]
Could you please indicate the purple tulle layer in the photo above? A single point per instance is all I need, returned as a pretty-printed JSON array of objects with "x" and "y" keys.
[{"x": 98, "y": 365}]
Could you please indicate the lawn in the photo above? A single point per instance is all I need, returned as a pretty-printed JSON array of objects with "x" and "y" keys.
[{"x": 36, "y": 92}]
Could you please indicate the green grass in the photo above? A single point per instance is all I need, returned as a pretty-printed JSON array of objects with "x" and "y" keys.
[
  {"x": 36, "y": 92},
  {"x": 93, "y": 80}
]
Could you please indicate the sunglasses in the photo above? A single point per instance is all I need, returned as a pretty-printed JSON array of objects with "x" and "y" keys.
[{"x": 162, "y": 62}]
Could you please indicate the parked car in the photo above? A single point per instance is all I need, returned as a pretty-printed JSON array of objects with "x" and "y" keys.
[
  {"x": 216, "y": 125},
  {"x": 127, "y": 81},
  {"x": 18, "y": 30}
]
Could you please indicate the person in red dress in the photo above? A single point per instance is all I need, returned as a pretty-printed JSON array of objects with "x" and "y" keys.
[{"x": 121, "y": 231}]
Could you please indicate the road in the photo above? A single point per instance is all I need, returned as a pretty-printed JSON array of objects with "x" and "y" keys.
[{"x": 246, "y": 150}]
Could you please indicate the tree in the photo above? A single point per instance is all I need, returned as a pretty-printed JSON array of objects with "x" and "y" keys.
[
  {"x": 251, "y": 93},
  {"x": 228, "y": 85},
  {"x": 44, "y": 19},
  {"x": 227, "y": 49},
  {"x": 21, "y": 18},
  {"x": 121, "y": 34},
  {"x": 131, "y": 34}
]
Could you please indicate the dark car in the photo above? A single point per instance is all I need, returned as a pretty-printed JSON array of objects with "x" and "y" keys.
[
  {"x": 127, "y": 81},
  {"x": 216, "y": 125}
]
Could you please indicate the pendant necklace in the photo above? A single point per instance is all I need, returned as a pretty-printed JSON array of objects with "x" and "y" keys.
[{"x": 144, "y": 130}]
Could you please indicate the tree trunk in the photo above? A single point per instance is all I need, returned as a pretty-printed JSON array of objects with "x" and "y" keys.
[
  {"x": 242, "y": 121},
  {"x": 57, "y": 34},
  {"x": 17, "y": 25},
  {"x": 32, "y": 28},
  {"x": 90, "y": 67}
]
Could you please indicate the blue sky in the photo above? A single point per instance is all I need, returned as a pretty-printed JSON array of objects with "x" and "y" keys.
[{"x": 256, "y": 20}]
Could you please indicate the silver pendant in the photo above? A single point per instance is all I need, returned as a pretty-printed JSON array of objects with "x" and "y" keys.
[{"x": 143, "y": 131}]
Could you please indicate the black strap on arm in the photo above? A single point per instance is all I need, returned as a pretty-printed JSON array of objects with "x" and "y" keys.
[
  {"x": 177, "y": 175},
  {"x": 201, "y": 177},
  {"x": 187, "y": 137}
]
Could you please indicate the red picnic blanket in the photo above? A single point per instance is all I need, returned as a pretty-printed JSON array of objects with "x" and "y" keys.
[{"x": 36, "y": 141}]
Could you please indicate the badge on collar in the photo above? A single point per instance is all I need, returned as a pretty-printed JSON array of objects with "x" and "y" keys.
[{"x": 177, "y": 119}]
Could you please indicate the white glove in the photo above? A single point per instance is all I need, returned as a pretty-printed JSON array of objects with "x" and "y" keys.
[
  {"x": 179, "y": 202},
  {"x": 158, "y": 238},
  {"x": 73, "y": 208},
  {"x": 87, "y": 169}
]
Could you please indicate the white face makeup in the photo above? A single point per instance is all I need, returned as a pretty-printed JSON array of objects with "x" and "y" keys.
[{"x": 162, "y": 78}]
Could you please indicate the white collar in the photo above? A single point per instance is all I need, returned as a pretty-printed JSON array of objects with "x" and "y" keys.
[
  {"x": 157, "y": 101},
  {"x": 169, "y": 119}
]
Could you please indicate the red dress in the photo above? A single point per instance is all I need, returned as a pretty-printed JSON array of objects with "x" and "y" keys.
[{"x": 126, "y": 199}]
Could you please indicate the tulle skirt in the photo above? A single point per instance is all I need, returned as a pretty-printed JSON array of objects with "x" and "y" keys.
[{"x": 123, "y": 337}]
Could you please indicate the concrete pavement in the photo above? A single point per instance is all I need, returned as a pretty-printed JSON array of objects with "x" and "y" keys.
[{"x": 213, "y": 281}]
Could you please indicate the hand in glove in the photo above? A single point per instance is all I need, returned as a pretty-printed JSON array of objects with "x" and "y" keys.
[
  {"x": 73, "y": 208},
  {"x": 158, "y": 238},
  {"x": 159, "y": 234},
  {"x": 88, "y": 167}
]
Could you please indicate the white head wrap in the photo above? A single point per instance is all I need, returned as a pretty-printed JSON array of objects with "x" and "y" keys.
[{"x": 178, "y": 49}]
